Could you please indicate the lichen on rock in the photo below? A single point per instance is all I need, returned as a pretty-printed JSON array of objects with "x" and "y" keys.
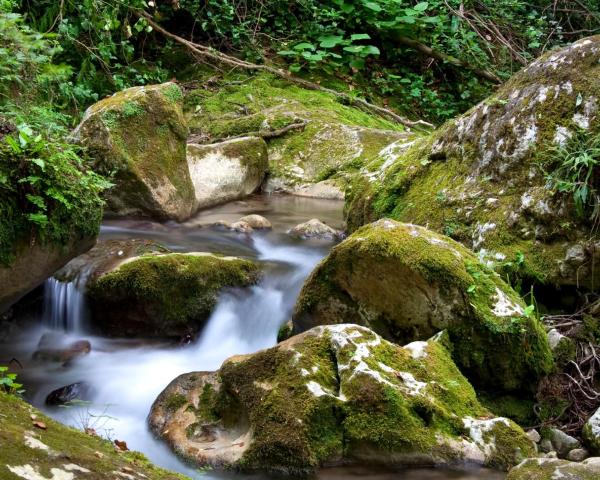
[
  {"x": 482, "y": 178},
  {"x": 553, "y": 469},
  {"x": 408, "y": 283},
  {"x": 334, "y": 393}
]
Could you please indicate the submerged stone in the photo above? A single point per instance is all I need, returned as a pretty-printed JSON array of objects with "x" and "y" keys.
[
  {"x": 334, "y": 394},
  {"x": 408, "y": 283}
]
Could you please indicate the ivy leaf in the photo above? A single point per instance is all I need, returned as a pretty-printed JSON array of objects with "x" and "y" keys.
[
  {"x": 421, "y": 7},
  {"x": 304, "y": 46}
]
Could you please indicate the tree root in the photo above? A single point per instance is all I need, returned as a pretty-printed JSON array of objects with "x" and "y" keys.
[{"x": 212, "y": 55}]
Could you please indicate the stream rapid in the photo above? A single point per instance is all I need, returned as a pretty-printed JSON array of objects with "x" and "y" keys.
[{"x": 126, "y": 375}]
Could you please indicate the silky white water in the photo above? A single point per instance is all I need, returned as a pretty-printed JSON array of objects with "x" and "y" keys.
[{"x": 126, "y": 375}]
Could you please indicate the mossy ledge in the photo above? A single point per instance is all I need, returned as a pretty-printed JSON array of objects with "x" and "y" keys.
[{"x": 58, "y": 450}]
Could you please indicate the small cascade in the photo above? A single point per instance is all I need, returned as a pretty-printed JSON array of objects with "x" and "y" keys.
[{"x": 64, "y": 305}]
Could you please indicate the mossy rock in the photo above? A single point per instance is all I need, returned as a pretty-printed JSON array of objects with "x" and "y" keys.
[
  {"x": 333, "y": 135},
  {"x": 139, "y": 135},
  {"x": 227, "y": 171},
  {"x": 408, "y": 283},
  {"x": 553, "y": 468},
  {"x": 166, "y": 295},
  {"x": 591, "y": 432},
  {"x": 61, "y": 452},
  {"x": 481, "y": 178},
  {"x": 334, "y": 394}
]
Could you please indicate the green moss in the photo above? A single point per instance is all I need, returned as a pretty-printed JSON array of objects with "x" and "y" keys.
[
  {"x": 175, "y": 402},
  {"x": 71, "y": 446},
  {"x": 166, "y": 294},
  {"x": 520, "y": 410},
  {"x": 377, "y": 277},
  {"x": 173, "y": 93},
  {"x": 508, "y": 447}
]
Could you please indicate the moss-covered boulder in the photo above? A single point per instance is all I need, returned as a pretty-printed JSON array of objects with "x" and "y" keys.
[
  {"x": 320, "y": 134},
  {"x": 140, "y": 135},
  {"x": 591, "y": 432},
  {"x": 553, "y": 469},
  {"x": 408, "y": 283},
  {"x": 482, "y": 178},
  {"x": 58, "y": 452},
  {"x": 227, "y": 171},
  {"x": 334, "y": 394},
  {"x": 164, "y": 295}
]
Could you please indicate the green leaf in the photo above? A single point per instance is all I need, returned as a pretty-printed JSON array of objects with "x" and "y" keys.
[
  {"x": 304, "y": 46},
  {"x": 39, "y": 162},
  {"x": 372, "y": 6},
  {"x": 421, "y": 7},
  {"x": 38, "y": 218},
  {"x": 360, "y": 36},
  {"x": 331, "y": 41},
  {"x": 37, "y": 201}
]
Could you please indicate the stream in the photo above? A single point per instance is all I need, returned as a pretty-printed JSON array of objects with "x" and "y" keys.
[{"x": 126, "y": 375}]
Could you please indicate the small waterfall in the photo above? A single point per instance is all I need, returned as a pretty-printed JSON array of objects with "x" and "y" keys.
[{"x": 64, "y": 305}]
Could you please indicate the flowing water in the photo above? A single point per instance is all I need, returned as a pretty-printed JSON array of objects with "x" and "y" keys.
[{"x": 126, "y": 375}]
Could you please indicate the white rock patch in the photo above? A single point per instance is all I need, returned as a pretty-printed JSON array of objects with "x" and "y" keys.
[
  {"x": 505, "y": 307},
  {"x": 27, "y": 472}
]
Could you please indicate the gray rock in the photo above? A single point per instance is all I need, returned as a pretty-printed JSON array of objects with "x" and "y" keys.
[
  {"x": 257, "y": 222},
  {"x": 534, "y": 435},
  {"x": 226, "y": 171},
  {"x": 546, "y": 446},
  {"x": 578, "y": 455},
  {"x": 553, "y": 469},
  {"x": 314, "y": 228},
  {"x": 562, "y": 442},
  {"x": 591, "y": 432},
  {"x": 554, "y": 338}
]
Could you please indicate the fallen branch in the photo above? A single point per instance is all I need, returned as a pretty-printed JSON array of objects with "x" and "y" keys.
[
  {"x": 222, "y": 58},
  {"x": 266, "y": 134}
]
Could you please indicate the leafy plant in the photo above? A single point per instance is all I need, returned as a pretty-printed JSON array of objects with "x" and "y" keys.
[
  {"x": 574, "y": 170},
  {"x": 8, "y": 383}
]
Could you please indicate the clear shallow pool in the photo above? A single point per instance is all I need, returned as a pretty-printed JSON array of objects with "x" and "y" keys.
[{"x": 126, "y": 375}]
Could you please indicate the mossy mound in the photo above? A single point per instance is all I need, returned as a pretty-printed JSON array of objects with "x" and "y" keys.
[
  {"x": 139, "y": 135},
  {"x": 334, "y": 394},
  {"x": 61, "y": 452},
  {"x": 482, "y": 178},
  {"x": 332, "y": 135},
  {"x": 553, "y": 468},
  {"x": 408, "y": 283},
  {"x": 169, "y": 295}
]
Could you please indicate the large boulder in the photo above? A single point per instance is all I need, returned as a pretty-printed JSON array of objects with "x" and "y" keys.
[
  {"x": 59, "y": 452},
  {"x": 553, "y": 469},
  {"x": 140, "y": 135},
  {"x": 408, "y": 283},
  {"x": 226, "y": 171},
  {"x": 164, "y": 295},
  {"x": 334, "y": 394},
  {"x": 482, "y": 178}
]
